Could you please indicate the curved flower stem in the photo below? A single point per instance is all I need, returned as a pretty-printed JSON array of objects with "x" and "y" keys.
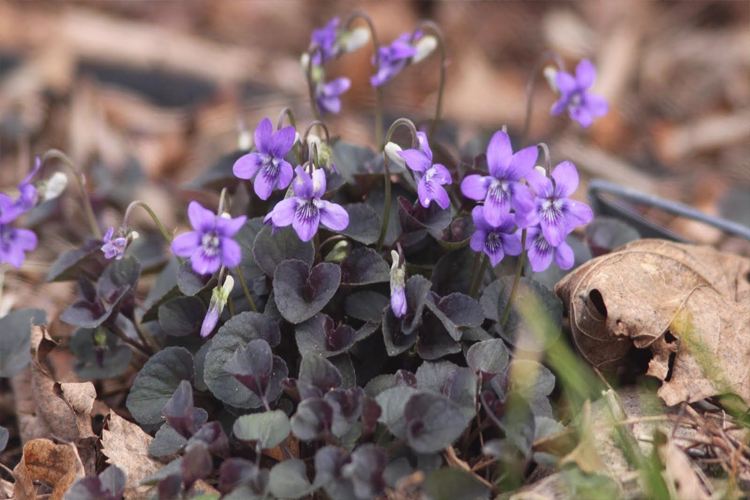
[
  {"x": 245, "y": 289},
  {"x": 319, "y": 124},
  {"x": 516, "y": 281},
  {"x": 286, "y": 112},
  {"x": 474, "y": 270},
  {"x": 335, "y": 237},
  {"x": 146, "y": 338},
  {"x": 376, "y": 51},
  {"x": 314, "y": 48},
  {"x": 387, "y": 174},
  {"x": 81, "y": 179},
  {"x": 435, "y": 30},
  {"x": 530, "y": 88},
  {"x": 148, "y": 209},
  {"x": 222, "y": 202},
  {"x": 112, "y": 327},
  {"x": 478, "y": 282}
]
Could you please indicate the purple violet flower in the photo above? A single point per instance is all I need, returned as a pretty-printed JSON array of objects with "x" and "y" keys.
[
  {"x": 327, "y": 95},
  {"x": 393, "y": 58},
  {"x": 14, "y": 243},
  {"x": 398, "y": 285},
  {"x": 11, "y": 210},
  {"x": 268, "y": 162},
  {"x": 211, "y": 245},
  {"x": 325, "y": 38},
  {"x": 114, "y": 247},
  {"x": 430, "y": 178},
  {"x": 503, "y": 189},
  {"x": 494, "y": 240},
  {"x": 556, "y": 214},
  {"x": 305, "y": 211},
  {"x": 540, "y": 252},
  {"x": 582, "y": 106}
]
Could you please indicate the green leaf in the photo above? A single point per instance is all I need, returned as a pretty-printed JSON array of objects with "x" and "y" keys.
[
  {"x": 269, "y": 429},
  {"x": 156, "y": 383}
]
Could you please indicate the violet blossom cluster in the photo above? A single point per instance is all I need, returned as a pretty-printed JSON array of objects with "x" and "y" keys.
[{"x": 15, "y": 242}]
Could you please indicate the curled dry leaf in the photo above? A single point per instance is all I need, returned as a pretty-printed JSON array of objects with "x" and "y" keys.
[
  {"x": 126, "y": 446},
  {"x": 682, "y": 472},
  {"x": 690, "y": 305},
  {"x": 66, "y": 409},
  {"x": 55, "y": 464}
]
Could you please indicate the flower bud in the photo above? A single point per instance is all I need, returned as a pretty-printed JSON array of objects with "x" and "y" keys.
[
  {"x": 398, "y": 285},
  {"x": 54, "y": 186},
  {"x": 424, "y": 46},
  {"x": 219, "y": 298},
  {"x": 354, "y": 40},
  {"x": 541, "y": 170},
  {"x": 550, "y": 74},
  {"x": 304, "y": 61},
  {"x": 244, "y": 140},
  {"x": 392, "y": 149}
]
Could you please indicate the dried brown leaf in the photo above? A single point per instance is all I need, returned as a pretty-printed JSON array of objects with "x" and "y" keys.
[
  {"x": 126, "y": 446},
  {"x": 682, "y": 473},
  {"x": 687, "y": 304},
  {"x": 584, "y": 455},
  {"x": 43, "y": 460}
]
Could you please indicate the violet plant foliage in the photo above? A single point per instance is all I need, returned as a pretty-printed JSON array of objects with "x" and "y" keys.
[{"x": 293, "y": 354}]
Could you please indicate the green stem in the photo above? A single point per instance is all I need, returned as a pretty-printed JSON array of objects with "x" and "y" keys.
[
  {"x": 483, "y": 269},
  {"x": 530, "y": 88},
  {"x": 286, "y": 112},
  {"x": 146, "y": 338},
  {"x": 245, "y": 289},
  {"x": 376, "y": 50},
  {"x": 148, "y": 209},
  {"x": 81, "y": 179},
  {"x": 474, "y": 269},
  {"x": 516, "y": 281},
  {"x": 314, "y": 48},
  {"x": 318, "y": 124},
  {"x": 387, "y": 174},
  {"x": 438, "y": 34}
]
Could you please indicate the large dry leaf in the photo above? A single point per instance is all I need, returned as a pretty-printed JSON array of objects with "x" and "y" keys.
[
  {"x": 55, "y": 464},
  {"x": 688, "y": 304},
  {"x": 126, "y": 446},
  {"x": 65, "y": 410}
]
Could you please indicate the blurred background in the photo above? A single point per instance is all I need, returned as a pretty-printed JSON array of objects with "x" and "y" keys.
[{"x": 146, "y": 95}]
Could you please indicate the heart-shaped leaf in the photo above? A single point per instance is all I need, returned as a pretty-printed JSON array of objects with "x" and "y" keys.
[
  {"x": 268, "y": 429},
  {"x": 488, "y": 358},
  {"x": 182, "y": 316},
  {"x": 156, "y": 383},
  {"x": 270, "y": 250},
  {"x": 288, "y": 479},
  {"x": 392, "y": 403},
  {"x": 86, "y": 261},
  {"x": 434, "y": 339},
  {"x": 364, "y": 266},
  {"x": 164, "y": 288},
  {"x": 317, "y": 376},
  {"x": 364, "y": 223},
  {"x": 313, "y": 419},
  {"x": 457, "y": 311},
  {"x": 236, "y": 333},
  {"x": 320, "y": 335},
  {"x": 366, "y": 305},
  {"x": 191, "y": 283},
  {"x": 432, "y": 422},
  {"x": 301, "y": 292},
  {"x": 417, "y": 218}
]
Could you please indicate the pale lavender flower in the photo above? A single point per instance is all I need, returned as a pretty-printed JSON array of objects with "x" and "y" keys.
[
  {"x": 11, "y": 209},
  {"x": 555, "y": 213},
  {"x": 306, "y": 211},
  {"x": 540, "y": 252},
  {"x": 430, "y": 178},
  {"x": 582, "y": 106},
  {"x": 393, "y": 58},
  {"x": 494, "y": 240},
  {"x": 327, "y": 95},
  {"x": 398, "y": 285},
  {"x": 325, "y": 38},
  {"x": 14, "y": 243},
  {"x": 114, "y": 246},
  {"x": 268, "y": 162},
  {"x": 503, "y": 189},
  {"x": 210, "y": 245}
]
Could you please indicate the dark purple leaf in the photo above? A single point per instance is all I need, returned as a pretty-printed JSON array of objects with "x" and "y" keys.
[
  {"x": 488, "y": 358},
  {"x": 178, "y": 411},
  {"x": 369, "y": 416},
  {"x": 170, "y": 487},
  {"x": 313, "y": 419},
  {"x": 416, "y": 218},
  {"x": 365, "y": 471},
  {"x": 191, "y": 283},
  {"x": 320, "y": 335},
  {"x": 432, "y": 422},
  {"x": 301, "y": 292},
  {"x": 366, "y": 305},
  {"x": 214, "y": 437},
  {"x": 196, "y": 464},
  {"x": 271, "y": 250},
  {"x": 364, "y": 223},
  {"x": 604, "y": 234},
  {"x": 252, "y": 365},
  {"x": 347, "y": 407},
  {"x": 182, "y": 316},
  {"x": 434, "y": 340},
  {"x": 364, "y": 266},
  {"x": 235, "y": 472},
  {"x": 317, "y": 376},
  {"x": 88, "y": 260}
]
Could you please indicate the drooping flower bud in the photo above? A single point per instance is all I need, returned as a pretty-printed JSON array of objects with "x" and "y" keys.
[
  {"x": 392, "y": 149},
  {"x": 550, "y": 74},
  {"x": 219, "y": 298},
  {"x": 53, "y": 187},
  {"x": 424, "y": 46},
  {"x": 398, "y": 285},
  {"x": 354, "y": 40}
]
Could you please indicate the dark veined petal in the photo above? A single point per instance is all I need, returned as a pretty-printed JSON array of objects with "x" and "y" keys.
[
  {"x": 497, "y": 204},
  {"x": 306, "y": 220},
  {"x": 539, "y": 251}
]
